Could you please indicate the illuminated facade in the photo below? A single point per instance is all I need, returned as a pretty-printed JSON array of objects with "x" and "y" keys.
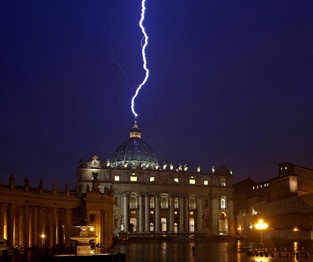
[
  {"x": 152, "y": 199},
  {"x": 285, "y": 202},
  {"x": 37, "y": 217}
]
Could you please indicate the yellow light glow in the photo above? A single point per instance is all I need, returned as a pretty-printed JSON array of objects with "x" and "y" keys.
[
  {"x": 42, "y": 236},
  {"x": 261, "y": 225},
  {"x": 92, "y": 229}
]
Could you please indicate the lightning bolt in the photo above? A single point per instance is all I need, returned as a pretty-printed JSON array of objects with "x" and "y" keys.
[{"x": 144, "y": 43}]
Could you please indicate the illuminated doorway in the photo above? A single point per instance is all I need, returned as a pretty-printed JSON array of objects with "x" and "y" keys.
[
  {"x": 191, "y": 224},
  {"x": 133, "y": 224},
  {"x": 223, "y": 224},
  {"x": 151, "y": 227},
  {"x": 163, "y": 223},
  {"x": 175, "y": 227}
]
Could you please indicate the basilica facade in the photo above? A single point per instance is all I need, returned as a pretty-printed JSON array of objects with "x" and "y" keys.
[{"x": 153, "y": 198}]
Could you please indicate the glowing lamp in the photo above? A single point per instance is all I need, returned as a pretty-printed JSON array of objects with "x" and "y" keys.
[{"x": 261, "y": 225}]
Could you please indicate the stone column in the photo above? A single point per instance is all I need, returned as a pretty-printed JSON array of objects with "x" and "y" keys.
[
  {"x": 11, "y": 222},
  {"x": 40, "y": 226},
  {"x": 157, "y": 213},
  {"x": 68, "y": 217},
  {"x": 57, "y": 225},
  {"x": 199, "y": 214},
  {"x": 147, "y": 213},
  {"x": 171, "y": 213},
  {"x": 125, "y": 211},
  {"x": 34, "y": 227},
  {"x": 26, "y": 227},
  {"x": 140, "y": 214},
  {"x": 2, "y": 219},
  {"x": 181, "y": 215},
  {"x": 51, "y": 227},
  {"x": 187, "y": 214},
  {"x": 214, "y": 213}
]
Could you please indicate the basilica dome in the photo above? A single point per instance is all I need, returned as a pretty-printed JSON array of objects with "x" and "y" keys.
[{"x": 134, "y": 153}]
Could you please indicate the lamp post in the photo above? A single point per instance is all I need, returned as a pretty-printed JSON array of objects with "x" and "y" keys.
[{"x": 261, "y": 225}]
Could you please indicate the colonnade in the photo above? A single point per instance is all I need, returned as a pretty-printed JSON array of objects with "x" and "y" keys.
[{"x": 32, "y": 226}]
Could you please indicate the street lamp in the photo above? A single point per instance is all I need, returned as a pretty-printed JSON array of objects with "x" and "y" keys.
[{"x": 261, "y": 225}]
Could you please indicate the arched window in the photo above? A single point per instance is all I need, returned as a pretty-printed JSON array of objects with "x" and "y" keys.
[
  {"x": 133, "y": 202},
  {"x": 192, "y": 203},
  {"x": 164, "y": 202},
  {"x": 223, "y": 202}
]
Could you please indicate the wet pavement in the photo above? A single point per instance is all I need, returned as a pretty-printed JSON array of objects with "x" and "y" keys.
[{"x": 186, "y": 250}]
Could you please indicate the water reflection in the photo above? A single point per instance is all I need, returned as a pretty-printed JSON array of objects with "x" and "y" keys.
[{"x": 205, "y": 250}]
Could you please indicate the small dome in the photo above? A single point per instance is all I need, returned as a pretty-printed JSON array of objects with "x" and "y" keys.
[{"x": 134, "y": 153}]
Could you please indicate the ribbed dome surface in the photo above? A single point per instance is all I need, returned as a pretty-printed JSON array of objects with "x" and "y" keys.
[{"x": 135, "y": 152}]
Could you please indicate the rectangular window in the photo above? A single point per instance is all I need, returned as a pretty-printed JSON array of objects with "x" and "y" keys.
[
  {"x": 223, "y": 181},
  {"x": 151, "y": 178},
  {"x": 116, "y": 178},
  {"x": 176, "y": 180},
  {"x": 133, "y": 178},
  {"x": 192, "y": 181},
  {"x": 176, "y": 203},
  {"x": 151, "y": 202},
  {"x": 206, "y": 182}
]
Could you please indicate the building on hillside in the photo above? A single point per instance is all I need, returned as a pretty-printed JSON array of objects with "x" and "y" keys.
[
  {"x": 153, "y": 198},
  {"x": 37, "y": 217},
  {"x": 285, "y": 202}
]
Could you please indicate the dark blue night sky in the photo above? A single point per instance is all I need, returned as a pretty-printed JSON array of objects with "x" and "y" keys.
[{"x": 230, "y": 83}]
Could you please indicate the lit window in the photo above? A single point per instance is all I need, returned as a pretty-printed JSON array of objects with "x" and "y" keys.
[
  {"x": 192, "y": 181},
  {"x": 151, "y": 212},
  {"x": 223, "y": 202},
  {"x": 151, "y": 178},
  {"x": 176, "y": 180},
  {"x": 133, "y": 212},
  {"x": 253, "y": 187},
  {"x": 151, "y": 202},
  {"x": 206, "y": 182},
  {"x": 116, "y": 178},
  {"x": 176, "y": 203},
  {"x": 175, "y": 213},
  {"x": 191, "y": 213},
  {"x": 223, "y": 181},
  {"x": 285, "y": 168},
  {"x": 133, "y": 178},
  {"x": 164, "y": 202}
]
